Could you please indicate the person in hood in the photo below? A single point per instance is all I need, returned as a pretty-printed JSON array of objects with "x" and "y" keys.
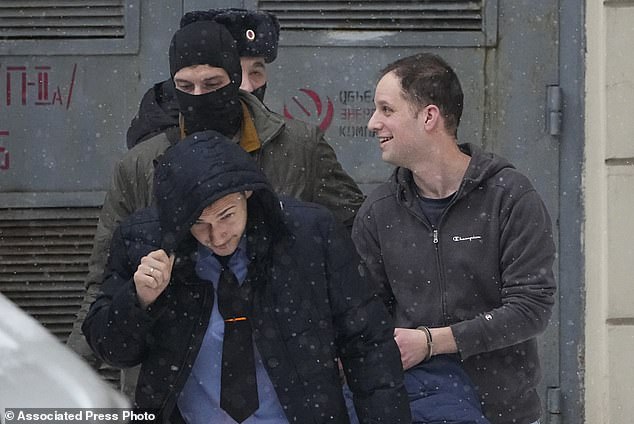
[
  {"x": 256, "y": 33},
  {"x": 302, "y": 296},
  {"x": 295, "y": 157},
  {"x": 459, "y": 243}
]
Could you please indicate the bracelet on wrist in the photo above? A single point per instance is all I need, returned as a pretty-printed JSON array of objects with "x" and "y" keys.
[{"x": 430, "y": 342}]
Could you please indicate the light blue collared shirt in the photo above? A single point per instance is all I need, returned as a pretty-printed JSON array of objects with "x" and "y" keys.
[{"x": 199, "y": 401}]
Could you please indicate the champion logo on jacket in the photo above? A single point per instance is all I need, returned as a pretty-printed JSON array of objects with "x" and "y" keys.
[{"x": 467, "y": 238}]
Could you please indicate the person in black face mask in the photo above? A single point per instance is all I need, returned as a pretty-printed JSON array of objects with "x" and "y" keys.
[
  {"x": 206, "y": 71},
  {"x": 256, "y": 34},
  {"x": 295, "y": 157}
]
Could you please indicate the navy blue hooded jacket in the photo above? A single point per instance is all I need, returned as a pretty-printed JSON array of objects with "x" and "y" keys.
[{"x": 310, "y": 303}]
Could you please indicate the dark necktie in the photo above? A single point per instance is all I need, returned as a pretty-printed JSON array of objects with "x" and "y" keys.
[{"x": 238, "y": 385}]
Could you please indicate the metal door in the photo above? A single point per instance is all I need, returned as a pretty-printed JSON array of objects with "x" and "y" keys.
[{"x": 505, "y": 53}]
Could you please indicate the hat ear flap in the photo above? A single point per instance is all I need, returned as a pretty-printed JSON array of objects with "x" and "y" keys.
[
  {"x": 276, "y": 26},
  {"x": 195, "y": 16}
]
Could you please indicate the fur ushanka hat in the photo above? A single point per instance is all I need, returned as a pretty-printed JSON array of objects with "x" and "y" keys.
[{"x": 257, "y": 32}]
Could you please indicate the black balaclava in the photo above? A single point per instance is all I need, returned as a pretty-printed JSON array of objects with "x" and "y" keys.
[
  {"x": 208, "y": 43},
  {"x": 256, "y": 32}
]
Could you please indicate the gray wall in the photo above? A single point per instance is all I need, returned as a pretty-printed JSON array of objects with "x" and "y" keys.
[{"x": 62, "y": 148}]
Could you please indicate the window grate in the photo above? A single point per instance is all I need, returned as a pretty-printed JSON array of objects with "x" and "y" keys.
[
  {"x": 377, "y": 15},
  {"x": 70, "y": 20},
  {"x": 44, "y": 255},
  {"x": 62, "y": 20}
]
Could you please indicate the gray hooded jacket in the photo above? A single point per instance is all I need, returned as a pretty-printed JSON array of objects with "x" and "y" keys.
[{"x": 485, "y": 270}]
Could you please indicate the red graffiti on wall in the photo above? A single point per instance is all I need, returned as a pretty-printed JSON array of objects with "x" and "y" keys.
[
  {"x": 325, "y": 120},
  {"x": 4, "y": 153},
  {"x": 26, "y": 85}
]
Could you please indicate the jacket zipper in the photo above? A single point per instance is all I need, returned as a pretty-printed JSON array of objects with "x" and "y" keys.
[
  {"x": 439, "y": 262},
  {"x": 435, "y": 240},
  {"x": 441, "y": 275}
]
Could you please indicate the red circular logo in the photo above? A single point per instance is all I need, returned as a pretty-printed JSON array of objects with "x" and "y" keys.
[{"x": 310, "y": 106}]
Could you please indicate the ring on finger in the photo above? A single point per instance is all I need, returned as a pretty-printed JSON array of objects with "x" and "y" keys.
[{"x": 151, "y": 271}]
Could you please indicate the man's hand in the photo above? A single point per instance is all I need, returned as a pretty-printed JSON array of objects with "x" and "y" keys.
[
  {"x": 152, "y": 276},
  {"x": 412, "y": 344}
]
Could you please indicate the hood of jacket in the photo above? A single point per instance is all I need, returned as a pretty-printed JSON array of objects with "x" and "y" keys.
[
  {"x": 158, "y": 111},
  {"x": 481, "y": 167},
  {"x": 200, "y": 169}
]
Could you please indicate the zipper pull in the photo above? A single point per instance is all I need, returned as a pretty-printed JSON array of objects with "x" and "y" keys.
[{"x": 435, "y": 236}]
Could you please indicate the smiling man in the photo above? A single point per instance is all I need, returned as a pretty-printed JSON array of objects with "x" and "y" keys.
[{"x": 459, "y": 243}]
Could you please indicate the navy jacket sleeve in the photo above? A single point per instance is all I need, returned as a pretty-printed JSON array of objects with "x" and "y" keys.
[
  {"x": 116, "y": 325},
  {"x": 365, "y": 339}
]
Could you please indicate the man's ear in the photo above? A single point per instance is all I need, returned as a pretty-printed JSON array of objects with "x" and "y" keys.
[{"x": 431, "y": 115}]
